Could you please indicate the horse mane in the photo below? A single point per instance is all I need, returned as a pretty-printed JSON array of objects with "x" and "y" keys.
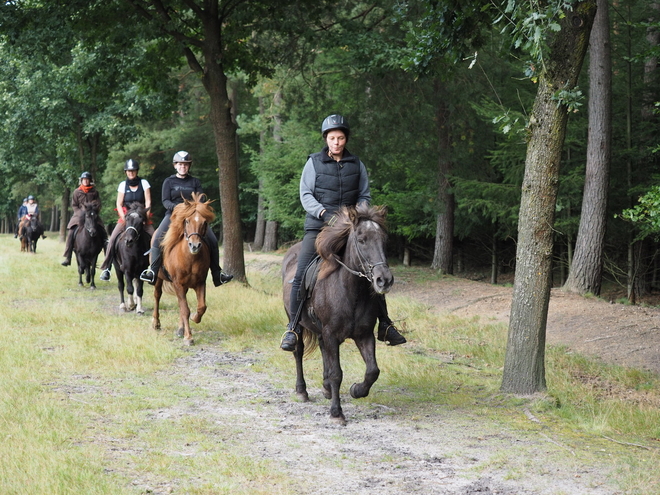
[
  {"x": 332, "y": 239},
  {"x": 137, "y": 207},
  {"x": 184, "y": 210}
]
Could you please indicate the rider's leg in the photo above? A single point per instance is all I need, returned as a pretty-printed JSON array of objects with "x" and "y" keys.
[
  {"x": 387, "y": 332},
  {"x": 110, "y": 253},
  {"x": 151, "y": 273},
  {"x": 68, "y": 250},
  {"x": 305, "y": 256},
  {"x": 219, "y": 278}
]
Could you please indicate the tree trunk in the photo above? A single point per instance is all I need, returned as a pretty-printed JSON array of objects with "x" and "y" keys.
[
  {"x": 270, "y": 239},
  {"x": 64, "y": 213},
  {"x": 224, "y": 130},
  {"x": 586, "y": 272},
  {"x": 444, "y": 233},
  {"x": 260, "y": 228},
  {"x": 524, "y": 365}
]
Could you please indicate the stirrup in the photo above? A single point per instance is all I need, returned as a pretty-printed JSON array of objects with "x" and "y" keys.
[
  {"x": 148, "y": 275},
  {"x": 289, "y": 340}
]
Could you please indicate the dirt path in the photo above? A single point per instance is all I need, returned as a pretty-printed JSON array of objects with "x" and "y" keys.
[{"x": 617, "y": 333}]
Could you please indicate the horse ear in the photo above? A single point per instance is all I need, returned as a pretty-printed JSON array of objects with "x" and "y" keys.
[{"x": 352, "y": 215}]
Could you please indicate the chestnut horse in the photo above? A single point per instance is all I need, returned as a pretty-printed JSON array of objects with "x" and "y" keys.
[
  {"x": 186, "y": 261},
  {"x": 344, "y": 302}
]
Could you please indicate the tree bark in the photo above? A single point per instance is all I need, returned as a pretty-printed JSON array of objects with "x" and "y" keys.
[
  {"x": 524, "y": 365},
  {"x": 64, "y": 213},
  {"x": 444, "y": 234},
  {"x": 586, "y": 272},
  {"x": 270, "y": 239}
]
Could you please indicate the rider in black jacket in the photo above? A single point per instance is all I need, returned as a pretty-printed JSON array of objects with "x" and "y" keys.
[{"x": 176, "y": 188}]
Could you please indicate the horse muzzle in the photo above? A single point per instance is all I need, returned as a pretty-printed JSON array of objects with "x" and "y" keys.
[{"x": 382, "y": 279}]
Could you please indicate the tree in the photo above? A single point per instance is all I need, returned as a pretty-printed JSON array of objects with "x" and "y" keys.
[
  {"x": 587, "y": 268},
  {"x": 567, "y": 35}
]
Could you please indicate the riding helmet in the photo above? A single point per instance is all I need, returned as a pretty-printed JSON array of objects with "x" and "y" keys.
[
  {"x": 131, "y": 165},
  {"x": 335, "y": 122},
  {"x": 85, "y": 175},
  {"x": 182, "y": 157},
  {"x": 30, "y": 197}
]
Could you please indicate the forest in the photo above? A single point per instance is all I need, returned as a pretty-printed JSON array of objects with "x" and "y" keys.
[{"x": 443, "y": 99}]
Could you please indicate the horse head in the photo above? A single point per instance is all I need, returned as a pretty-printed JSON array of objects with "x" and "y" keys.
[
  {"x": 134, "y": 218},
  {"x": 355, "y": 240},
  {"x": 191, "y": 220},
  {"x": 91, "y": 217}
]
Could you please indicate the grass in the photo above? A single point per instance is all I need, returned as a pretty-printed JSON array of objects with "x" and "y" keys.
[{"x": 58, "y": 339}]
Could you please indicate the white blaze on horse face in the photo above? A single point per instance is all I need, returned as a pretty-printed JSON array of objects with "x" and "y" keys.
[{"x": 371, "y": 225}]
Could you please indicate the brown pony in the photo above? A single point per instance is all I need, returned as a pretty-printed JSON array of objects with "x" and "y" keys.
[
  {"x": 186, "y": 261},
  {"x": 344, "y": 302}
]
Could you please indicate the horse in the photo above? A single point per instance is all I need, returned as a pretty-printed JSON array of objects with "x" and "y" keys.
[
  {"x": 130, "y": 258},
  {"x": 344, "y": 301},
  {"x": 89, "y": 242},
  {"x": 30, "y": 230},
  {"x": 186, "y": 262}
]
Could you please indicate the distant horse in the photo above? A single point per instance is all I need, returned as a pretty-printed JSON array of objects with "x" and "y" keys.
[
  {"x": 30, "y": 230},
  {"x": 130, "y": 258},
  {"x": 89, "y": 242},
  {"x": 186, "y": 261},
  {"x": 344, "y": 302}
]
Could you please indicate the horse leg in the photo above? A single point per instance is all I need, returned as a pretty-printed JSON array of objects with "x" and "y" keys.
[
  {"x": 130, "y": 289},
  {"x": 81, "y": 270},
  {"x": 92, "y": 272},
  {"x": 158, "y": 291},
  {"x": 332, "y": 377},
  {"x": 139, "y": 284},
  {"x": 367, "y": 347},
  {"x": 184, "y": 315},
  {"x": 120, "y": 286},
  {"x": 301, "y": 386},
  {"x": 200, "y": 291}
]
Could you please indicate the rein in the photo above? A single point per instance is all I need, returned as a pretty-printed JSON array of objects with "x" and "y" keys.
[{"x": 363, "y": 262}]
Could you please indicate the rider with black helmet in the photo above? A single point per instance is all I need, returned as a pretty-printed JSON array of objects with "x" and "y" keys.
[
  {"x": 331, "y": 178},
  {"x": 85, "y": 194},
  {"x": 22, "y": 211},
  {"x": 176, "y": 188},
  {"x": 133, "y": 189}
]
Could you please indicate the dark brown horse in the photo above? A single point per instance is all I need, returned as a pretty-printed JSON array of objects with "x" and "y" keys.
[
  {"x": 186, "y": 261},
  {"x": 130, "y": 257},
  {"x": 344, "y": 302},
  {"x": 30, "y": 231},
  {"x": 89, "y": 242}
]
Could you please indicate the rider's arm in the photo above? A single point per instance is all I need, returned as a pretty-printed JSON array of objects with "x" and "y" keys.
[
  {"x": 307, "y": 189},
  {"x": 365, "y": 192},
  {"x": 166, "y": 196},
  {"x": 120, "y": 205}
]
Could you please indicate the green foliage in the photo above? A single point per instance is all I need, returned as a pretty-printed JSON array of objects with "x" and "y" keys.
[{"x": 645, "y": 214}]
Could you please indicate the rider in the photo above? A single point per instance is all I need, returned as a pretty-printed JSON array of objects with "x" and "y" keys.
[
  {"x": 86, "y": 193},
  {"x": 22, "y": 211},
  {"x": 176, "y": 188},
  {"x": 133, "y": 189},
  {"x": 331, "y": 178}
]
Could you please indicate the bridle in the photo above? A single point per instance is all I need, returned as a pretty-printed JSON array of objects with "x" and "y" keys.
[
  {"x": 188, "y": 236},
  {"x": 366, "y": 265}
]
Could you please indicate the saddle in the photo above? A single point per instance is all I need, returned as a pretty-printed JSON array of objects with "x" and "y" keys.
[{"x": 309, "y": 278}]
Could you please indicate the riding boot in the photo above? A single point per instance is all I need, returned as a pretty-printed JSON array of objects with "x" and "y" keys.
[
  {"x": 151, "y": 274},
  {"x": 387, "y": 332},
  {"x": 293, "y": 330},
  {"x": 220, "y": 278},
  {"x": 68, "y": 250},
  {"x": 106, "y": 267}
]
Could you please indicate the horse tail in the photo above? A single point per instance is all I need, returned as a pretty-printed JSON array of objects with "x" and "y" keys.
[{"x": 311, "y": 341}]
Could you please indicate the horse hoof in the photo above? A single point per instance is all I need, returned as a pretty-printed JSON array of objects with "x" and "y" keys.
[
  {"x": 155, "y": 324},
  {"x": 327, "y": 393},
  {"x": 180, "y": 332},
  {"x": 303, "y": 396},
  {"x": 188, "y": 342},
  {"x": 356, "y": 393},
  {"x": 122, "y": 307},
  {"x": 339, "y": 420},
  {"x": 140, "y": 311}
]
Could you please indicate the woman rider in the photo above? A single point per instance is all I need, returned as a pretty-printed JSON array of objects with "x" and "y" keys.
[
  {"x": 176, "y": 188},
  {"x": 331, "y": 178},
  {"x": 85, "y": 194},
  {"x": 133, "y": 189}
]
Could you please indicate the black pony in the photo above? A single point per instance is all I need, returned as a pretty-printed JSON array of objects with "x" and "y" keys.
[
  {"x": 31, "y": 230},
  {"x": 344, "y": 302},
  {"x": 130, "y": 258},
  {"x": 89, "y": 242}
]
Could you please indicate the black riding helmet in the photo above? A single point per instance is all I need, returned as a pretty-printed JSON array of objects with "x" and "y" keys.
[
  {"x": 131, "y": 165},
  {"x": 335, "y": 122},
  {"x": 85, "y": 175}
]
